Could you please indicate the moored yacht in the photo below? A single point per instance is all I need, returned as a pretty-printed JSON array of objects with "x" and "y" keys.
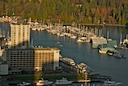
[
  {"x": 73, "y": 36},
  {"x": 43, "y": 82},
  {"x": 24, "y": 84},
  {"x": 63, "y": 81},
  {"x": 80, "y": 40},
  {"x": 105, "y": 50},
  {"x": 112, "y": 83}
]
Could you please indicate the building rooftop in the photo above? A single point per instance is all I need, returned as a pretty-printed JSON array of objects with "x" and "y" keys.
[{"x": 35, "y": 48}]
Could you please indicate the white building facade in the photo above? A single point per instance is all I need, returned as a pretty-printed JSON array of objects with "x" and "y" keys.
[{"x": 20, "y": 36}]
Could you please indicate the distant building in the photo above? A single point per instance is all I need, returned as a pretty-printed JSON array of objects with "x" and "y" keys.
[
  {"x": 22, "y": 57},
  {"x": 20, "y": 36},
  {"x": 31, "y": 59},
  {"x": 3, "y": 67}
]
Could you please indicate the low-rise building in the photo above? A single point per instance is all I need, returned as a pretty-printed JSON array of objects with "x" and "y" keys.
[
  {"x": 3, "y": 67},
  {"x": 31, "y": 59}
]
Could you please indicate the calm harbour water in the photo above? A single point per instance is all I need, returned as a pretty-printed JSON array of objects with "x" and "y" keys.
[{"x": 82, "y": 52}]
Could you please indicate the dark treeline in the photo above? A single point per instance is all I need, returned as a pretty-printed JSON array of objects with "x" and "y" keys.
[{"x": 67, "y": 11}]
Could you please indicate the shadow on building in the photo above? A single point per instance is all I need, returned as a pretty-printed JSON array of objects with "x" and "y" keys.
[
  {"x": 31, "y": 63},
  {"x": 28, "y": 63}
]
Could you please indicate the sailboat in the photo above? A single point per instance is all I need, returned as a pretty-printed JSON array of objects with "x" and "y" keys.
[
  {"x": 2, "y": 33},
  {"x": 121, "y": 39},
  {"x": 110, "y": 46},
  {"x": 125, "y": 41}
]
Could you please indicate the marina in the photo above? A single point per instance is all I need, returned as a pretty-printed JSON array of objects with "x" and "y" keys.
[
  {"x": 63, "y": 43},
  {"x": 83, "y": 53}
]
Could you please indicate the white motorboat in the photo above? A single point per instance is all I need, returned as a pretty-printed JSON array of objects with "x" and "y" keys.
[
  {"x": 80, "y": 40},
  {"x": 24, "y": 84},
  {"x": 105, "y": 50},
  {"x": 63, "y": 81},
  {"x": 73, "y": 36},
  {"x": 111, "y": 83},
  {"x": 43, "y": 82}
]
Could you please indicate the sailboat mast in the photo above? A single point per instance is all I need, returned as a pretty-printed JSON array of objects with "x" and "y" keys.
[
  {"x": 32, "y": 43},
  {"x": 107, "y": 34},
  {"x": 121, "y": 39}
]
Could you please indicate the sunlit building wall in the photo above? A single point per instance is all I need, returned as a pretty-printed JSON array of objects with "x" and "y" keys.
[
  {"x": 1, "y": 52},
  {"x": 20, "y": 36},
  {"x": 33, "y": 59}
]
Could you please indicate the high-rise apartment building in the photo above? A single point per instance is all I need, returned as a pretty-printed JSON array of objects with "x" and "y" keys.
[{"x": 20, "y": 36}]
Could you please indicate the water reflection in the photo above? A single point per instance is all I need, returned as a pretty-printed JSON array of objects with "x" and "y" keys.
[{"x": 104, "y": 64}]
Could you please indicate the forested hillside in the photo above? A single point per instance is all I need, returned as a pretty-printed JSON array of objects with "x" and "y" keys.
[{"x": 67, "y": 11}]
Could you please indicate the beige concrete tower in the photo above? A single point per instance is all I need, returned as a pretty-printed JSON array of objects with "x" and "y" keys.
[{"x": 20, "y": 36}]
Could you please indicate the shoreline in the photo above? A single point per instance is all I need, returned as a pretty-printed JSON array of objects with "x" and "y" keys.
[
  {"x": 99, "y": 25},
  {"x": 102, "y": 25}
]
